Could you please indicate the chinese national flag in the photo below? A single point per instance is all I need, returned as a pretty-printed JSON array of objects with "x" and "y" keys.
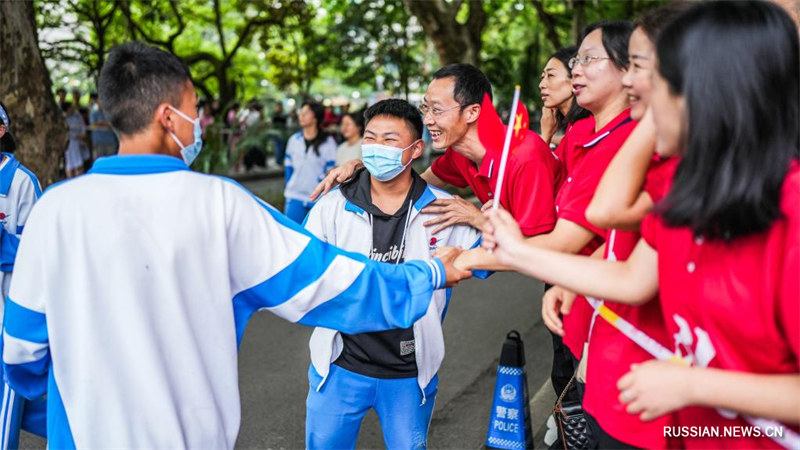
[{"x": 492, "y": 131}]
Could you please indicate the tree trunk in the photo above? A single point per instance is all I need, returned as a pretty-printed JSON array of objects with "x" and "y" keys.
[
  {"x": 36, "y": 121},
  {"x": 578, "y": 19},
  {"x": 549, "y": 22},
  {"x": 454, "y": 42}
]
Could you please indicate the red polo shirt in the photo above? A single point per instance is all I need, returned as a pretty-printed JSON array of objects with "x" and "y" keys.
[
  {"x": 588, "y": 158},
  {"x": 612, "y": 353},
  {"x": 732, "y": 305},
  {"x": 577, "y": 134},
  {"x": 532, "y": 178}
]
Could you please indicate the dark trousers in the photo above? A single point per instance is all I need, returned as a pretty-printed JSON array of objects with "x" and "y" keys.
[{"x": 563, "y": 367}]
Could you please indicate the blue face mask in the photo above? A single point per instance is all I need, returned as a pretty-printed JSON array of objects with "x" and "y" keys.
[
  {"x": 384, "y": 162},
  {"x": 189, "y": 153}
]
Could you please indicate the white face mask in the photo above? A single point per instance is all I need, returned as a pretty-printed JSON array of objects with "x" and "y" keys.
[
  {"x": 190, "y": 152},
  {"x": 384, "y": 162}
]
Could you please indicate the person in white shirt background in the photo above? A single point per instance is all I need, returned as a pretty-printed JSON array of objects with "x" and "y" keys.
[
  {"x": 352, "y": 129},
  {"x": 310, "y": 154},
  {"x": 19, "y": 191}
]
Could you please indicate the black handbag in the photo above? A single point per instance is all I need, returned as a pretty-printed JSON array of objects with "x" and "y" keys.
[{"x": 571, "y": 421}]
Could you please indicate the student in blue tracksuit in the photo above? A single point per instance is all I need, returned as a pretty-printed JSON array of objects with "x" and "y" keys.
[
  {"x": 19, "y": 190},
  {"x": 133, "y": 284},
  {"x": 310, "y": 154},
  {"x": 379, "y": 214}
]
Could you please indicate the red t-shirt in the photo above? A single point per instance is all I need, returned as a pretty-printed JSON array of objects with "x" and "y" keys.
[
  {"x": 586, "y": 162},
  {"x": 732, "y": 305},
  {"x": 533, "y": 176},
  {"x": 611, "y": 353}
]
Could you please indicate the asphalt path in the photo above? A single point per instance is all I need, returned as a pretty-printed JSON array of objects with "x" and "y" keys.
[{"x": 274, "y": 361}]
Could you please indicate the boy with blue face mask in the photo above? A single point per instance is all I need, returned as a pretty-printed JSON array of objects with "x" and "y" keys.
[{"x": 378, "y": 214}]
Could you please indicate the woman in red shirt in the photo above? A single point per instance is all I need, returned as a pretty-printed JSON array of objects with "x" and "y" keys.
[
  {"x": 723, "y": 249},
  {"x": 559, "y": 108},
  {"x": 634, "y": 181}
]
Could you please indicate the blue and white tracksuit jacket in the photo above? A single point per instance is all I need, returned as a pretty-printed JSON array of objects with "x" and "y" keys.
[
  {"x": 336, "y": 220},
  {"x": 19, "y": 191},
  {"x": 304, "y": 169},
  {"x": 132, "y": 288}
]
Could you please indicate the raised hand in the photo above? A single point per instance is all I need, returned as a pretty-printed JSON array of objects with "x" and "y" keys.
[
  {"x": 548, "y": 123},
  {"x": 452, "y": 212}
]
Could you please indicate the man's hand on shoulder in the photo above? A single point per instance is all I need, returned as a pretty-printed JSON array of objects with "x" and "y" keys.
[
  {"x": 453, "y": 211},
  {"x": 335, "y": 177}
]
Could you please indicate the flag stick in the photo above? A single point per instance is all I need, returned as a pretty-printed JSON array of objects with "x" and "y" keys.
[{"x": 506, "y": 146}]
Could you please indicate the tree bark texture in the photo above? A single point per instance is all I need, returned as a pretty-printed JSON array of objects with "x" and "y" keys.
[
  {"x": 37, "y": 123},
  {"x": 454, "y": 41}
]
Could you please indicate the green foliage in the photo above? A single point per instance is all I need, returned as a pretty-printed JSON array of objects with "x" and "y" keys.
[
  {"x": 240, "y": 49},
  {"x": 378, "y": 42}
]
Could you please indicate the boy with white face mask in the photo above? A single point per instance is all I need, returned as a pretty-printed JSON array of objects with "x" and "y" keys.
[{"x": 378, "y": 214}]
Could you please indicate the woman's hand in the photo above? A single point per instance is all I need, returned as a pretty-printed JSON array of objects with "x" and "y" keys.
[
  {"x": 655, "y": 388},
  {"x": 501, "y": 235},
  {"x": 556, "y": 300},
  {"x": 548, "y": 123}
]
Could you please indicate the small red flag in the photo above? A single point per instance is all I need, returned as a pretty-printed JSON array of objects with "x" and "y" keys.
[{"x": 492, "y": 131}]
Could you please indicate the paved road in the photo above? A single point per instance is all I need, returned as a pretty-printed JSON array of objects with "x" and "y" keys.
[{"x": 274, "y": 361}]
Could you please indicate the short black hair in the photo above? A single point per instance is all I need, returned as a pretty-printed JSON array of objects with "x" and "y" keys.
[
  {"x": 65, "y": 106},
  {"x": 401, "y": 109},
  {"x": 470, "y": 83},
  {"x": 737, "y": 150},
  {"x": 616, "y": 35},
  {"x": 135, "y": 79},
  {"x": 60, "y": 90}
]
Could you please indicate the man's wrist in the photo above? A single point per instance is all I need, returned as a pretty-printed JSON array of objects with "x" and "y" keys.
[{"x": 478, "y": 220}]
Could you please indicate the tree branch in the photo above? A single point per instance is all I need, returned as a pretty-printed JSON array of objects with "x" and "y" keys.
[
  {"x": 218, "y": 23},
  {"x": 549, "y": 22},
  {"x": 181, "y": 25}
]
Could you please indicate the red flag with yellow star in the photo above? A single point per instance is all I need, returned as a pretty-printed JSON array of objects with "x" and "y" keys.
[{"x": 492, "y": 131}]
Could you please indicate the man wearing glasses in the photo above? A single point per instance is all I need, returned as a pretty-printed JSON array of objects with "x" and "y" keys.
[{"x": 451, "y": 109}]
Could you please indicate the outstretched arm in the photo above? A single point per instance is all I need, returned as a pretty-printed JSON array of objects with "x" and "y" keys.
[
  {"x": 619, "y": 201},
  {"x": 279, "y": 266},
  {"x": 634, "y": 281},
  {"x": 566, "y": 237}
]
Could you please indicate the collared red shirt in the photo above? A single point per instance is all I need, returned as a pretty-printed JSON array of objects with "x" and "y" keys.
[
  {"x": 732, "y": 305},
  {"x": 576, "y": 134},
  {"x": 533, "y": 176},
  {"x": 612, "y": 353},
  {"x": 593, "y": 153}
]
